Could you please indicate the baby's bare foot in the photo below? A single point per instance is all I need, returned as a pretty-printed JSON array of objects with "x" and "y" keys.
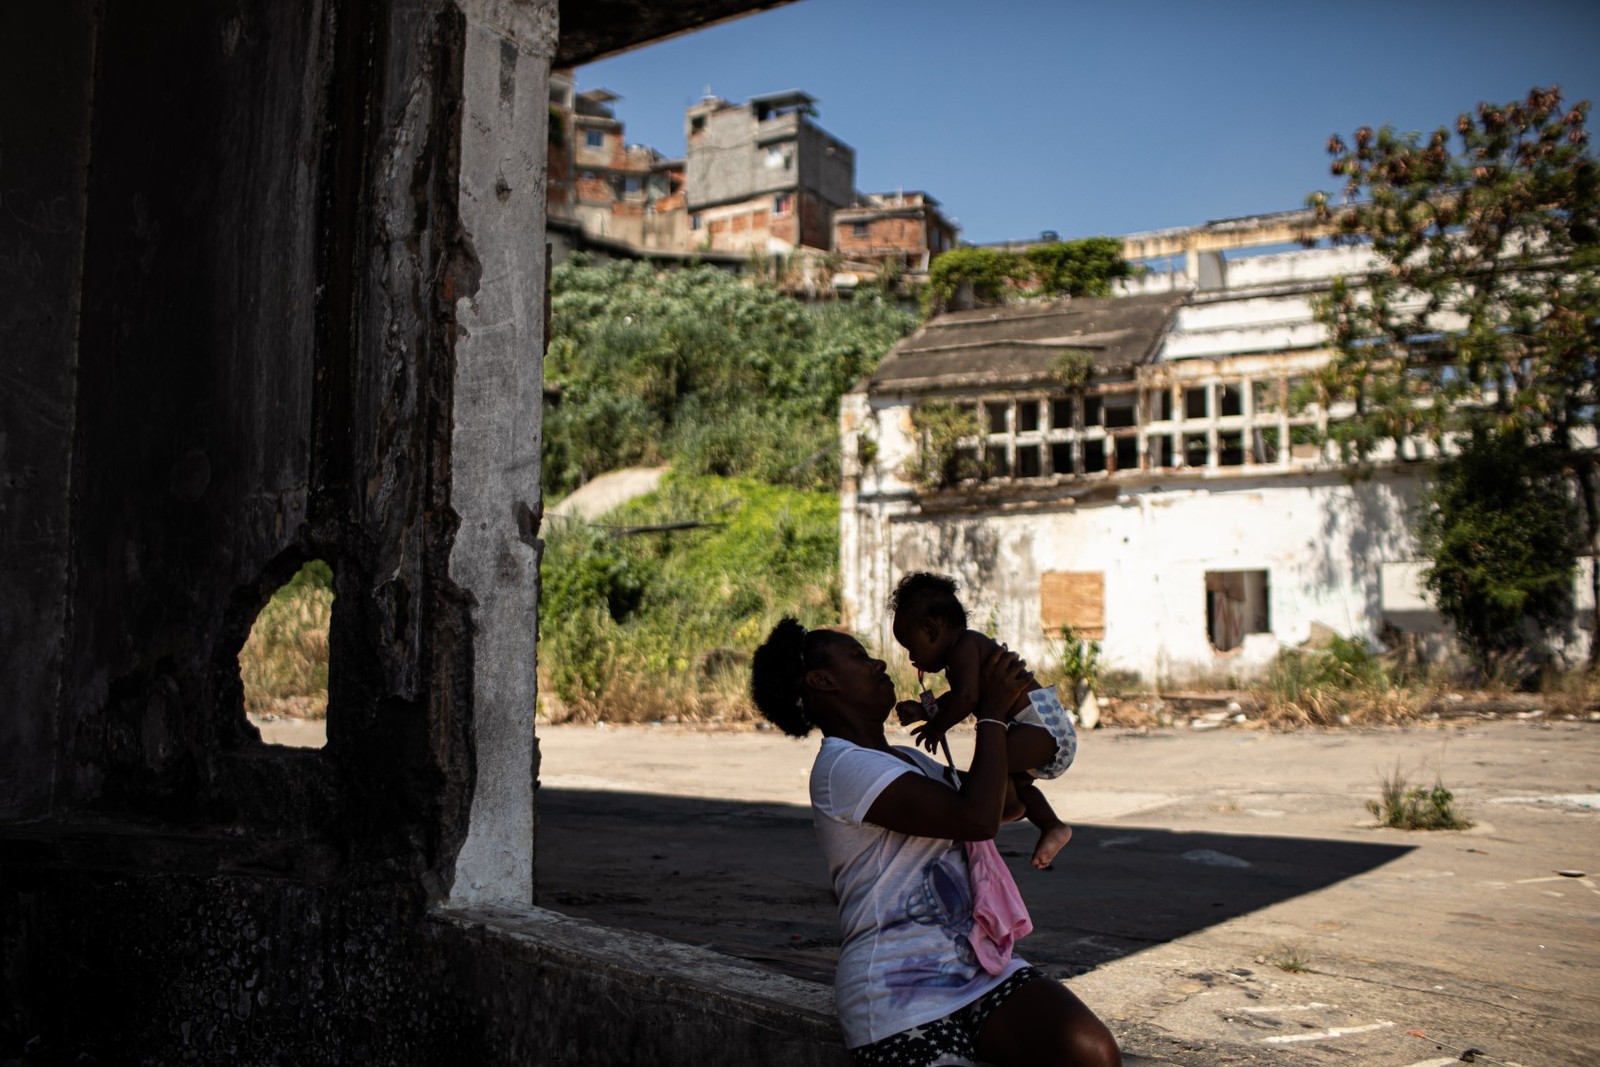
[{"x": 1051, "y": 842}]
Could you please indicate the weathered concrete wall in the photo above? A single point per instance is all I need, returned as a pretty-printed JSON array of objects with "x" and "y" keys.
[
  {"x": 43, "y": 175},
  {"x": 1321, "y": 539},
  {"x": 282, "y": 284},
  {"x": 141, "y": 966}
]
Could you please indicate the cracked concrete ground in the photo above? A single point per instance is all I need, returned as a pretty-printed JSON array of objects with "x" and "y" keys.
[{"x": 1226, "y": 899}]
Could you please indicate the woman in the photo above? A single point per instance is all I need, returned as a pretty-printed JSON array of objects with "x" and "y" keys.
[{"x": 909, "y": 989}]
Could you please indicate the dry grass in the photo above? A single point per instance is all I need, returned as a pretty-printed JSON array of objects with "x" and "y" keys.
[
  {"x": 284, "y": 662},
  {"x": 1293, "y": 957}
]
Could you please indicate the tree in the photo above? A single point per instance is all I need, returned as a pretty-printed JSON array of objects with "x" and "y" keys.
[
  {"x": 1499, "y": 528},
  {"x": 1479, "y": 325}
]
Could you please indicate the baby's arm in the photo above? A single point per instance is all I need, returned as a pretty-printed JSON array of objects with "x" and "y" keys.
[{"x": 961, "y": 670}]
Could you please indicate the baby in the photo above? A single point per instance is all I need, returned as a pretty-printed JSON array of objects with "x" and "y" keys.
[{"x": 931, "y": 624}]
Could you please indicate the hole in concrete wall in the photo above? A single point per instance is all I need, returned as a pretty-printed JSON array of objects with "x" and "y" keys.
[
  {"x": 284, "y": 662},
  {"x": 1159, "y": 449},
  {"x": 1127, "y": 454},
  {"x": 1027, "y": 416},
  {"x": 1230, "y": 449},
  {"x": 1061, "y": 414},
  {"x": 1094, "y": 456},
  {"x": 1028, "y": 461},
  {"x": 1196, "y": 405},
  {"x": 1061, "y": 457},
  {"x": 1196, "y": 450},
  {"x": 1091, "y": 411},
  {"x": 1120, "y": 412},
  {"x": 1230, "y": 398},
  {"x": 997, "y": 417},
  {"x": 995, "y": 458}
]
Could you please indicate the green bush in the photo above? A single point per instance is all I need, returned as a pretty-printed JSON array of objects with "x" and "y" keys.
[
  {"x": 691, "y": 601},
  {"x": 704, "y": 370},
  {"x": 1413, "y": 807}
]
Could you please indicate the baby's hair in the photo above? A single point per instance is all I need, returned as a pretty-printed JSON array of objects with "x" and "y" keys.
[
  {"x": 931, "y": 595},
  {"x": 775, "y": 673}
]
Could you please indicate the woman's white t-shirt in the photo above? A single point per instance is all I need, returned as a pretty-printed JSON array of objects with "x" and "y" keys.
[{"x": 905, "y": 903}]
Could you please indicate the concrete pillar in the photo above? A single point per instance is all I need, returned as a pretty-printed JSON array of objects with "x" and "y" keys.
[{"x": 495, "y": 483}]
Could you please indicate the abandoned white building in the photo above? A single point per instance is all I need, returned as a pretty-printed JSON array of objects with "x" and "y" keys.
[{"x": 1172, "y": 505}]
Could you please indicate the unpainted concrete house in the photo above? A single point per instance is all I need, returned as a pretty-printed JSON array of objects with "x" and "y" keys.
[
  {"x": 762, "y": 176},
  {"x": 905, "y": 229},
  {"x": 273, "y": 283},
  {"x": 1173, "y": 505}
]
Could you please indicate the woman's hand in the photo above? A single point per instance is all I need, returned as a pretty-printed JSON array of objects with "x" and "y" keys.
[{"x": 1005, "y": 677}]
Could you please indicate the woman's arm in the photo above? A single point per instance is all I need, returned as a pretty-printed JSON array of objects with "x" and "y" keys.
[{"x": 918, "y": 805}]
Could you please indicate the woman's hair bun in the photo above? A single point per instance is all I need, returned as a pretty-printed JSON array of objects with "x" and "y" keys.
[{"x": 775, "y": 673}]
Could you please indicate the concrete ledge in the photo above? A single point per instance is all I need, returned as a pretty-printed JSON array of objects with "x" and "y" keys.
[{"x": 569, "y": 991}]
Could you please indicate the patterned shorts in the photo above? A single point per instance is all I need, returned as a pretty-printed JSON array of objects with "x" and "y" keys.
[
  {"x": 950, "y": 1042},
  {"x": 1045, "y": 710}
]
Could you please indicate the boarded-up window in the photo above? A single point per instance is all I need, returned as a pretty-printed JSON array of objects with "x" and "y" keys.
[
  {"x": 1076, "y": 599},
  {"x": 1237, "y": 603}
]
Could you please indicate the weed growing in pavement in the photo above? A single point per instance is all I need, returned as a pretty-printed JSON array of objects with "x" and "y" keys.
[
  {"x": 1414, "y": 807},
  {"x": 1291, "y": 956}
]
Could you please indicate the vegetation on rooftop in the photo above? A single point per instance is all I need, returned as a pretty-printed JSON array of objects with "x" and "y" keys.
[{"x": 1084, "y": 267}]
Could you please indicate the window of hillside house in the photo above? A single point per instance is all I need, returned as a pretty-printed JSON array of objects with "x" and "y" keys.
[
  {"x": 694, "y": 222},
  {"x": 1027, "y": 416},
  {"x": 859, "y": 229},
  {"x": 775, "y": 157},
  {"x": 1060, "y": 457},
  {"x": 1230, "y": 400},
  {"x": 630, "y": 186},
  {"x": 1236, "y": 605},
  {"x": 1196, "y": 403},
  {"x": 1094, "y": 456},
  {"x": 594, "y": 138},
  {"x": 1061, "y": 413},
  {"x": 780, "y": 204},
  {"x": 1076, "y": 599},
  {"x": 1029, "y": 464},
  {"x": 997, "y": 417},
  {"x": 1091, "y": 411}
]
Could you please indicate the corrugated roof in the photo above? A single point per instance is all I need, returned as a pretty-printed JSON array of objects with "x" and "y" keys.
[{"x": 1019, "y": 346}]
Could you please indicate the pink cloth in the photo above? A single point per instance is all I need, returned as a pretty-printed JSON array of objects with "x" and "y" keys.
[{"x": 999, "y": 918}]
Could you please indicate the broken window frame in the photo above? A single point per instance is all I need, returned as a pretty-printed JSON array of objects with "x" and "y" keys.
[{"x": 1088, "y": 430}]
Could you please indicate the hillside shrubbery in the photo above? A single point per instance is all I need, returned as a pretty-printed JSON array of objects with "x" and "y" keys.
[
  {"x": 703, "y": 370},
  {"x": 657, "y": 625}
]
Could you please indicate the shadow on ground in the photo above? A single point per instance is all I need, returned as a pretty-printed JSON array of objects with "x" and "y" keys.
[{"x": 748, "y": 879}]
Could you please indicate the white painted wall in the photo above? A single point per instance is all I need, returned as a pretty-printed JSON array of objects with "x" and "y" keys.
[{"x": 1322, "y": 540}]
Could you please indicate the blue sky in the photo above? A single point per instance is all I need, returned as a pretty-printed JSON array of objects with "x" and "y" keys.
[{"x": 1089, "y": 118}]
